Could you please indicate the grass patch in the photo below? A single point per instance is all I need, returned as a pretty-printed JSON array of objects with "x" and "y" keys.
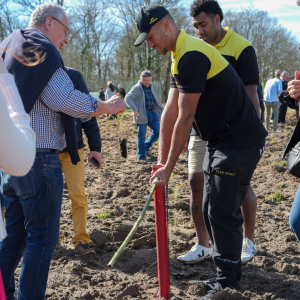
[
  {"x": 277, "y": 197},
  {"x": 282, "y": 185},
  {"x": 174, "y": 219},
  {"x": 176, "y": 191},
  {"x": 132, "y": 131},
  {"x": 279, "y": 166},
  {"x": 273, "y": 142},
  {"x": 104, "y": 215},
  {"x": 108, "y": 124}
]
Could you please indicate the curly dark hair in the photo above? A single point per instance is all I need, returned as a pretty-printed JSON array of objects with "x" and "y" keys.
[{"x": 210, "y": 7}]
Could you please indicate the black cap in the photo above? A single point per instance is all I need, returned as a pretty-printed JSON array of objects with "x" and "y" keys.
[{"x": 146, "y": 18}]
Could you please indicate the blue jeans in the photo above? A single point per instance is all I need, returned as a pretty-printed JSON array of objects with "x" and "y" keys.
[
  {"x": 33, "y": 205},
  {"x": 153, "y": 123},
  {"x": 295, "y": 215}
]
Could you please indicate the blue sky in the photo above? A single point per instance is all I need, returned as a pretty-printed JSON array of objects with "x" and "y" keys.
[{"x": 287, "y": 12}]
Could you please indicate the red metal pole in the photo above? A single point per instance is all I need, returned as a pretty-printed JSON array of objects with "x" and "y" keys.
[{"x": 161, "y": 239}]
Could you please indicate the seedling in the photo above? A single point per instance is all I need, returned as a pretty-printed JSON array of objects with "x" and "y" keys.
[
  {"x": 279, "y": 166},
  {"x": 172, "y": 175},
  {"x": 282, "y": 185},
  {"x": 176, "y": 191},
  {"x": 273, "y": 142},
  {"x": 104, "y": 215},
  {"x": 108, "y": 124},
  {"x": 277, "y": 197},
  {"x": 132, "y": 131},
  {"x": 175, "y": 220}
]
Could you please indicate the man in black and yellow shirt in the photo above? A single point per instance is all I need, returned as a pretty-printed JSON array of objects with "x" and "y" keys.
[
  {"x": 206, "y": 19},
  {"x": 205, "y": 88}
]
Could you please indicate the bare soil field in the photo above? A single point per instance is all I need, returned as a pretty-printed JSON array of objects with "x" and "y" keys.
[{"x": 116, "y": 195}]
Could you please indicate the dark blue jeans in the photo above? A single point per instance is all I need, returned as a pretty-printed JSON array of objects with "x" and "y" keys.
[
  {"x": 295, "y": 215},
  {"x": 153, "y": 123},
  {"x": 33, "y": 205}
]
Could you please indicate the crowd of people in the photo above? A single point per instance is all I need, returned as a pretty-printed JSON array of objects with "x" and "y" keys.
[{"x": 217, "y": 101}]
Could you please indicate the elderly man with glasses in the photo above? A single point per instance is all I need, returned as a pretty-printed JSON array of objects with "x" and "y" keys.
[{"x": 33, "y": 202}]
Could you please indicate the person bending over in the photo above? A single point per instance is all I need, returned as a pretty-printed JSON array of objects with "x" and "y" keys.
[
  {"x": 207, "y": 17},
  {"x": 206, "y": 90}
]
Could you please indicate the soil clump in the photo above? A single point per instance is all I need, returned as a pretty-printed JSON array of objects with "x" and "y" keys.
[{"x": 117, "y": 193}]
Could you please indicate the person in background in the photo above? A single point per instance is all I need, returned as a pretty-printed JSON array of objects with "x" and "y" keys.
[
  {"x": 110, "y": 92},
  {"x": 146, "y": 110},
  {"x": 283, "y": 106},
  {"x": 272, "y": 91},
  {"x": 260, "y": 94},
  {"x": 277, "y": 75},
  {"x": 121, "y": 91},
  {"x": 74, "y": 174},
  {"x": 33, "y": 202},
  {"x": 102, "y": 94}
]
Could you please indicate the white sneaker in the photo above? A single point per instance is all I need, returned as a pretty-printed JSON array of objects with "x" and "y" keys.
[
  {"x": 196, "y": 254},
  {"x": 248, "y": 251}
]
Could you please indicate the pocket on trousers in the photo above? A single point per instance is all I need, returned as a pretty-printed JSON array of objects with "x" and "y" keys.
[
  {"x": 24, "y": 186},
  {"x": 52, "y": 161}
]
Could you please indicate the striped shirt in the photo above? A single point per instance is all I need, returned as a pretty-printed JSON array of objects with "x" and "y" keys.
[{"x": 58, "y": 96}]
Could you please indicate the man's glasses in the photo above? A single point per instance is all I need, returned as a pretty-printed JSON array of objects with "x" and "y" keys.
[{"x": 69, "y": 30}]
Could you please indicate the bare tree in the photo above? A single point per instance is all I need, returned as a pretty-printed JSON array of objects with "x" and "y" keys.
[{"x": 275, "y": 46}]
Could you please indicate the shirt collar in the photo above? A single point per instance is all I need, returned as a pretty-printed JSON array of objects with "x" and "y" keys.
[
  {"x": 225, "y": 38},
  {"x": 179, "y": 43}
]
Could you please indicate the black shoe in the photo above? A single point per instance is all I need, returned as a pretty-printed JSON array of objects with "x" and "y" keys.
[
  {"x": 210, "y": 283},
  {"x": 211, "y": 293}
]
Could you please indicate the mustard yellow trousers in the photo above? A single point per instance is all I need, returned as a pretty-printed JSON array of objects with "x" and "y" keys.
[{"x": 74, "y": 175}]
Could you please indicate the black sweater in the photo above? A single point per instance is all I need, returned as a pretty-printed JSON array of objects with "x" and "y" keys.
[
  {"x": 91, "y": 128},
  {"x": 295, "y": 138}
]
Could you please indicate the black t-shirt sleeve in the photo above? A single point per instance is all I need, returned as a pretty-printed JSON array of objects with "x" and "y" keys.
[
  {"x": 193, "y": 68},
  {"x": 172, "y": 81},
  {"x": 247, "y": 67}
]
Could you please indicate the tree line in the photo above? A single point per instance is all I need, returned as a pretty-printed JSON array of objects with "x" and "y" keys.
[{"x": 103, "y": 33}]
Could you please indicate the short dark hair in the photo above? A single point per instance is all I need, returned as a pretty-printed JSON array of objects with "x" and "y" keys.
[
  {"x": 298, "y": 2},
  {"x": 210, "y": 7},
  {"x": 102, "y": 88}
]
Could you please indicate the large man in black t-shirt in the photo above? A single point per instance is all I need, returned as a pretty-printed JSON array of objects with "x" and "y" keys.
[
  {"x": 206, "y": 19},
  {"x": 207, "y": 90}
]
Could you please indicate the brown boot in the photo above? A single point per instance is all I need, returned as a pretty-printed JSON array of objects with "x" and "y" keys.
[{"x": 83, "y": 249}]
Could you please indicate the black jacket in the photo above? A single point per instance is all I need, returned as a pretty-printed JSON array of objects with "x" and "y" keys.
[
  {"x": 91, "y": 128},
  {"x": 101, "y": 95},
  {"x": 284, "y": 87},
  {"x": 260, "y": 92},
  {"x": 122, "y": 93},
  {"x": 295, "y": 138}
]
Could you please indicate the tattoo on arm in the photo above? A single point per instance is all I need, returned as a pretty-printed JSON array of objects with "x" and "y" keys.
[{"x": 195, "y": 209}]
